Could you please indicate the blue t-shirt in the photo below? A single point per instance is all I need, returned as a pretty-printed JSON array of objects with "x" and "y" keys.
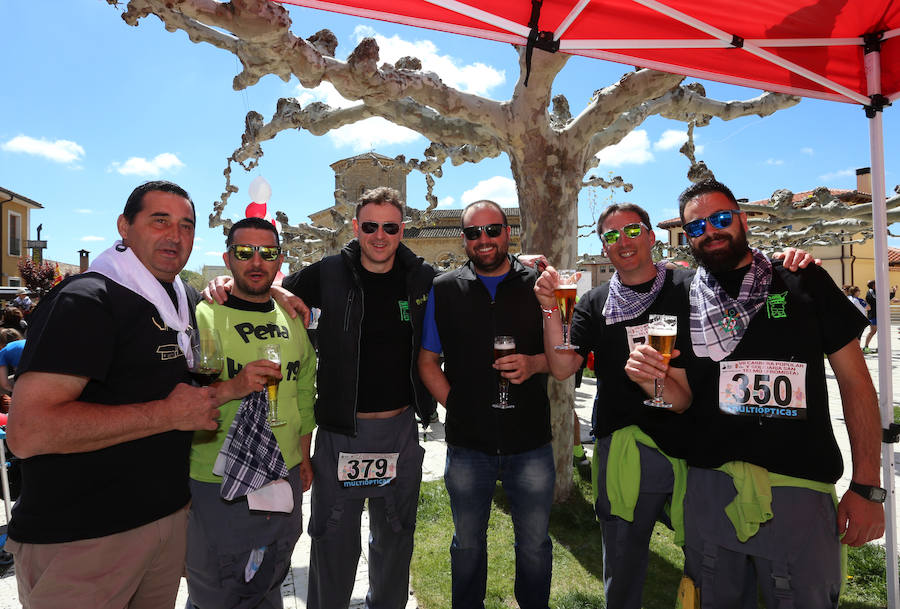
[
  {"x": 430, "y": 339},
  {"x": 12, "y": 353}
]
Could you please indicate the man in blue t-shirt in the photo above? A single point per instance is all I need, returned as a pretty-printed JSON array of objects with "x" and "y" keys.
[
  {"x": 9, "y": 359},
  {"x": 492, "y": 295}
]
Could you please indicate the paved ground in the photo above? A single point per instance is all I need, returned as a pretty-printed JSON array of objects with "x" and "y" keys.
[{"x": 295, "y": 586}]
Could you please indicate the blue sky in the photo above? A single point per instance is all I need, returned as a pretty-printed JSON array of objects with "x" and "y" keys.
[{"x": 94, "y": 107}]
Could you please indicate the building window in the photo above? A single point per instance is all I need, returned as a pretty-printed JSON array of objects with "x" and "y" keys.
[
  {"x": 15, "y": 233},
  {"x": 682, "y": 239},
  {"x": 15, "y": 282}
]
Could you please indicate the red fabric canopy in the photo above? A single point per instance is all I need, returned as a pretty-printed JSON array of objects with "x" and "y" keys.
[{"x": 765, "y": 44}]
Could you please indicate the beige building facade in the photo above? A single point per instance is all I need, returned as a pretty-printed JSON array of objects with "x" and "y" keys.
[{"x": 15, "y": 210}]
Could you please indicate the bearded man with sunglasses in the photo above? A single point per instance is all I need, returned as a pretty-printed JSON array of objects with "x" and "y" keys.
[
  {"x": 248, "y": 477},
  {"x": 636, "y": 465},
  {"x": 492, "y": 295},
  {"x": 759, "y": 334}
]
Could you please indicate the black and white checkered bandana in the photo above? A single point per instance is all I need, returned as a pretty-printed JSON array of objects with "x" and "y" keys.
[
  {"x": 718, "y": 321},
  {"x": 252, "y": 456},
  {"x": 623, "y": 303}
]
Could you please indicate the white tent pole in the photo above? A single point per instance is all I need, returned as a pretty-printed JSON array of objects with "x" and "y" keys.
[{"x": 883, "y": 314}]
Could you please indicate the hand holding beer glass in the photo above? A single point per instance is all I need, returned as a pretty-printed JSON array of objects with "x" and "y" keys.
[
  {"x": 273, "y": 354},
  {"x": 503, "y": 346},
  {"x": 662, "y": 332},
  {"x": 565, "y": 299}
]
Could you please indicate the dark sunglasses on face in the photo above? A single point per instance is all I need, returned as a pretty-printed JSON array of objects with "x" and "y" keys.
[
  {"x": 269, "y": 253},
  {"x": 492, "y": 230},
  {"x": 631, "y": 231},
  {"x": 391, "y": 228},
  {"x": 719, "y": 220}
]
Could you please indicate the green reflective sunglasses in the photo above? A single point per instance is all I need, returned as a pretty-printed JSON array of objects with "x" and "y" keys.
[
  {"x": 630, "y": 230},
  {"x": 269, "y": 253}
]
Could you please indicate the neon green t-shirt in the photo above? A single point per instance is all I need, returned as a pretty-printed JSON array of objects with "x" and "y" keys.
[{"x": 242, "y": 333}]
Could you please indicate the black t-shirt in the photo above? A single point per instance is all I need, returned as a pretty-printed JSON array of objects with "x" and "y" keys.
[
  {"x": 385, "y": 338},
  {"x": 776, "y": 369},
  {"x": 92, "y": 327},
  {"x": 619, "y": 401},
  {"x": 384, "y": 342}
]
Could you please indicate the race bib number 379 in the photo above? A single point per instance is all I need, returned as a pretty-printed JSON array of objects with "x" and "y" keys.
[
  {"x": 763, "y": 388},
  {"x": 366, "y": 469}
]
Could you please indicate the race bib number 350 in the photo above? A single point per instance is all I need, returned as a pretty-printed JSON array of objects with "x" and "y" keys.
[
  {"x": 366, "y": 469},
  {"x": 763, "y": 388}
]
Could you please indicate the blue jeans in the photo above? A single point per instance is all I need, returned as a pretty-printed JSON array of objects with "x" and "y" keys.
[{"x": 528, "y": 479}]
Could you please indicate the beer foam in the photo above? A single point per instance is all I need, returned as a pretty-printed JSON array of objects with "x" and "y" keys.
[{"x": 663, "y": 331}]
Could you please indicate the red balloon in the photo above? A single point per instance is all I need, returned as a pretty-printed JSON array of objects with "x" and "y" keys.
[{"x": 256, "y": 210}]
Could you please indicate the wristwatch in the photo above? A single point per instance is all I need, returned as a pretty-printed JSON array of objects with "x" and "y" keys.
[{"x": 872, "y": 493}]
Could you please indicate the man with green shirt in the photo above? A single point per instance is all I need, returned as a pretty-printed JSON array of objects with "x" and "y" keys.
[{"x": 248, "y": 476}]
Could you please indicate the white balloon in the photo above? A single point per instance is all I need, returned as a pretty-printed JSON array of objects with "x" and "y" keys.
[{"x": 260, "y": 191}]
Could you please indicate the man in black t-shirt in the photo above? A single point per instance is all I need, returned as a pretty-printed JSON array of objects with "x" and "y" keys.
[
  {"x": 635, "y": 456},
  {"x": 102, "y": 416},
  {"x": 758, "y": 386}
]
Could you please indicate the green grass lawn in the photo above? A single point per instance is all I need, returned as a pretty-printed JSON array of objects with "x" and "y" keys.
[{"x": 578, "y": 558}]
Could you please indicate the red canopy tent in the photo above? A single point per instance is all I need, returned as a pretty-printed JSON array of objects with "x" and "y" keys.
[{"x": 840, "y": 50}]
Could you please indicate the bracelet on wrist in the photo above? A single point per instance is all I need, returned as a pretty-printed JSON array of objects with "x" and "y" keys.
[{"x": 549, "y": 312}]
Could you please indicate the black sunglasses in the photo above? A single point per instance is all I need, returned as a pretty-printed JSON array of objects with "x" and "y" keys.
[
  {"x": 391, "y": 228},
  {"x": 492, "y": 230},
  {"x": 269, "y": 253},
  {"x": 631, "y": 231},
  {"x": 720, "y": 219}
]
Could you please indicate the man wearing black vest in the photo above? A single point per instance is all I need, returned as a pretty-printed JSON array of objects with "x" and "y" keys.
[
  {"x": 492, "y": 295},
  {"x": 760, "y": 506}
]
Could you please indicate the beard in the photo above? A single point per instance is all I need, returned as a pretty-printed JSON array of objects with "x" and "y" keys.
[
  {"x": 723, "y": 259},
  {"x": 491, "y": 261},
  {"x": 251, "y": 290}
]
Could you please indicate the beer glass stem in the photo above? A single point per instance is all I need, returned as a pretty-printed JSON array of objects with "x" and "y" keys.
[
  {"x": 658, "y": 385},
  {"x": 504, "y": 392}
]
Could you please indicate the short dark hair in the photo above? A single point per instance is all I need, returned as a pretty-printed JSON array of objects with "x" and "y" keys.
[
  {"x": 8, "y": 335},
  {"x": 379, "y": 196},
  {"x": 135, "y": 202},
  {"x": 701, "y": 188},
  {"x": 482, "y": 203},
  {"x": 871, "y": 284},
  {"x": 627, "y": 207},
  {"x": 260, "y": 223}
]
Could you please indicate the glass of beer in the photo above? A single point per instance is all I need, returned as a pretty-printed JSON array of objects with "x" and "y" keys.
[
  {"x": 565, "y": 299},
  {"x": 272, "y": 353},
  {"x": 662, "y": 331},
  {"x": 503, "y": 346}
]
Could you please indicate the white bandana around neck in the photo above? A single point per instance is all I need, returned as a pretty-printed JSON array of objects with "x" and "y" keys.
[{"x": 124, "y": 268}]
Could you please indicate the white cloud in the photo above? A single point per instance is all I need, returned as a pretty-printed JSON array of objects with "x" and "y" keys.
[
  {"x": 807, "y": 150},
  {"x": 774, "y": 162},
  {"x": 59, "y": 151},
  {"x": 370, "y": 134},
  {"x": 670, "y": 139},
  {"x": 93, "y": 238},
  {"x": 83, "y": 211},
  {"x": 841, "y": 173},
  {"x": 216, "y": 254},
  {"x": 634, "y": 149},
  {"x": 140, "y": 166},
  {"x": 476, "y": 78},
  {"x": 498, "y": 189},
  {"x": 446, "y": 202}
]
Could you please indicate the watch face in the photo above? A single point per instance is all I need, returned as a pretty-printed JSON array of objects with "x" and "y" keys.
[{"x": 877, "y": 494}]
